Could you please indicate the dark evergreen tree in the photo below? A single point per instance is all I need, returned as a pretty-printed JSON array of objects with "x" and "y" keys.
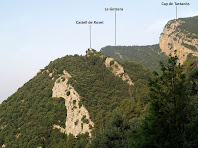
[
  {"x": 71, "y": 141},
  {"x": 164, "y": 126},
  {"x": 192, "y": 93},
  {"x": 115, "y": 135}
]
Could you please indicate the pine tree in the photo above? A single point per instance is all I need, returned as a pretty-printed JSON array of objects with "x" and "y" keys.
[
  {"x": 192, "y": 93},
  {"x": 164, "y": 126},
  {"x": 71, "y": 141}
]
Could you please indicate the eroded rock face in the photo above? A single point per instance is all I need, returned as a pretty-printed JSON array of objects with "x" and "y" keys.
[
  {"x": 121, "y": 57},
  {"x": 78, "y": 120},
  {"x": 3, "y": 126},
  {"x": 173, "y": 39},
  {"x": 118, "y": 70}
]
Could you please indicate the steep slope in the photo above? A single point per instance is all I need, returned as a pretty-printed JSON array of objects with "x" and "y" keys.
[
  {"x": 118, "y": 70},
  {"x": 27, "y": 116},
  {"x": 74, "y": 125},
  {"x": 148, "y": 56},
  {"x": 73, "y": 95},
  {"x": 181, "y": 35}
]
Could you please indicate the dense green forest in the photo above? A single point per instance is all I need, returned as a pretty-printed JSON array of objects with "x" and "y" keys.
[
  {"x": 26, "y": 117},
  {"x": 159, "y": 110},
  {"x": 149, "y": 56},
  {"x": 171, "y": 118},
  {"x": 189, "y": 27}
]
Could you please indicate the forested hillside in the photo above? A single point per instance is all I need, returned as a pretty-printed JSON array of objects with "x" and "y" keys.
[
  {"x": 171, "y": 117},
  {"x": 27, "y": 117},
  {"x": 152, "y": 111},
  {"x": 180, "y": 34},
  {"x": 148, "y": 56},
  {"x": 189, "y": 27}
]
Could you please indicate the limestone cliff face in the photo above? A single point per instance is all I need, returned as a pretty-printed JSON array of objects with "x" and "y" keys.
[
  {"x": 118, "y": 70},
  {"x": 173, "y": 39},
  {"x": 115, "y": 67},
  {"x": 78, "y": 120}
]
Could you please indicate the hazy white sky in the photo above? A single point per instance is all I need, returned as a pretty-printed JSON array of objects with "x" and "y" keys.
[{"x": 35, "y": 32}]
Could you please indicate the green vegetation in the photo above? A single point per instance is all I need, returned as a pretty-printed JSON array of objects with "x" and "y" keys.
[
  {"x": 68, "y": 93},
  {"x": 190, "y": 56},
  {"x": 115, "y": 134},
  {"x": 173, "y": 107},
  {"x": 63, "y": 79},
  {"x": 31, "y": 112},
  {"x": 101, "y": 92},
  {"x": 112, "y": 62},
  {"x": 76, "y": 122},
  {"x": 84, "y": 119},
  {"x": 189, "y": 27},
  {"x": 164, "y": 126},
  {"x": 172, "y": 113},
  {"x": 74, "y": 102},
  {"x": 189, "y": 46},
  {"x": 148, "y": 56},
  {"x": 163, "y": 114}
]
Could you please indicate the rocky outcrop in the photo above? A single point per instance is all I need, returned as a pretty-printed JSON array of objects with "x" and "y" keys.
[
  {"x": 118, "y": 70},
  {"x": 173, "y": 38},
  {"x": 121, "y": 57},
  {"x": 17, "y": 135},
  {"x": 3, "y": 126},
  {"x": 77, "y": 120}
]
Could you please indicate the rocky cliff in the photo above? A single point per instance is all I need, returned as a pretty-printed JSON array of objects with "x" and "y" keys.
[
  {"x": 118, "y": 70},
  {"x": 148, "y": 56},
  {"x": 178, "y": 35},
  {"x": 71, "y": 99},
  {"x": 77, "y": 121}
]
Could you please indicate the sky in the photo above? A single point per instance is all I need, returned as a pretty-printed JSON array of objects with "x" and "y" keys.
[{"x": 35, "y": 32}]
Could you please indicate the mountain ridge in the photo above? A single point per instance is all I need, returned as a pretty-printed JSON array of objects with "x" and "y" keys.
[
  {"x": 77, "y": 101},
  {"x": 73, "y": 95},
  {"x": 148, "y": 56},
  {"x": 179, "y": 35}
]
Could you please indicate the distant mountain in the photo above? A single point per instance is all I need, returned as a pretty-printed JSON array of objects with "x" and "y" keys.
[
  {"x": 149, "y": 56},
  {"x": 181, "y": 35},
  {"x": 72, "y": 97}
]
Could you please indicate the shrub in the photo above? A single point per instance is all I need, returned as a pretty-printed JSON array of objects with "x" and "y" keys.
[
  {"x": 76, "y": 122},
  {"x": 112, "y": 62},
  {"x": 68, "y": 93},
  {"x": 74, "y": 102},
  {"x": 63, "y": 79}
]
